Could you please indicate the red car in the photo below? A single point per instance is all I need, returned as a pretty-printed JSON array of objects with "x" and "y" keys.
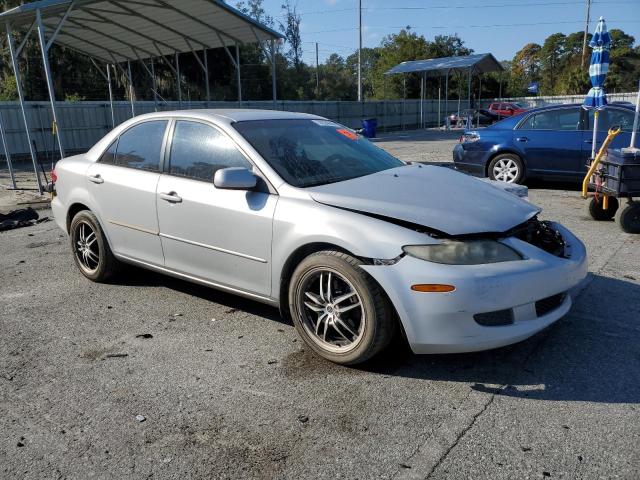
[{"x": 506, "y": 109}]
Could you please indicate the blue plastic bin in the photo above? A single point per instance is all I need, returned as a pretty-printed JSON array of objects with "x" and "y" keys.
[{"x": 369, "y": 127}]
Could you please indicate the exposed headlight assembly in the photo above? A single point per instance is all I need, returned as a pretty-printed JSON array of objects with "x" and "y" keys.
[{"x": 464, "y": 252}]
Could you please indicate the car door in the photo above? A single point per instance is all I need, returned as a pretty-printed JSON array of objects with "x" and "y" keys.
[
  {"x": 551, "y": 141},
  {"x": 222, "y": 236},
  {"x": 123, "y": 186},
  {"x": 609, "y": 117}
]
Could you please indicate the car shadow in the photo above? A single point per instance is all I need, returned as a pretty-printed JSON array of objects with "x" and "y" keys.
[
  {"x": 593, "y": 354},
  {"x": 537, "y": 184},
  {"x": 138, "y": 277}
]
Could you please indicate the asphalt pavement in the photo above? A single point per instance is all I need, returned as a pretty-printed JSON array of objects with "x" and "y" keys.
[{"x": 153, "y": 377}]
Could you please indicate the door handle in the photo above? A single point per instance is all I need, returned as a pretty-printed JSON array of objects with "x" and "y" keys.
[
  {"x": 588, "y": 141},
  {"x": 522, "y": 139},
  {"x": 96, "y": 178},
  {"x": 171, "y": 197}
]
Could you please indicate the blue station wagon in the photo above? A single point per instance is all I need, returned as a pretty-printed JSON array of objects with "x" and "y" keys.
[{"x": 552, "y": 142}]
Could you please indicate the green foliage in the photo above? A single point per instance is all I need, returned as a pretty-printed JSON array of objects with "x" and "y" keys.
[
  {"x": 556, "y": 64},
  {"x": 8, "y": 88}
]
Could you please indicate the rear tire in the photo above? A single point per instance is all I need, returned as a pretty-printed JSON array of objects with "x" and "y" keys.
[
  {"x": 630, "y": 218},
  {"x": 600, "y": 214},
  {"x": 91, "y": 251},
  {"x": 507, "y": 168},
  {"x": 340, "y": 312}
]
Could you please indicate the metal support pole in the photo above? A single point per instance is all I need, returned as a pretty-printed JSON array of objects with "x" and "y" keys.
[
  {"x": 439, "y": 99},
  {"x": 178, "y": 80},
  {"x": 273, "y": 70},
  {"x": 360, "y": 50},
  {"x": 131, "y": 92},
  {"x": 238, "y": 78},
  {"x": 634, "y": 131},
  {"x": 469, "y": 89},
  {"x": 479, "y": 98},
  {"x": 404, "y": 99},
  {"x": 113, "y": 115},
  {"x": 16, "y": 72},
  {"x": 422, "y": 102},
  {"x": 446, "y": 97},
  {"x": 206, "y": 76},
  {"x": 47, "y": 72},
  {"x": 154, "y": 84},
  {"x": 7, "y": 155},
  {"x": 317, "y": 74},
  {"x": 596, "y": 114}
]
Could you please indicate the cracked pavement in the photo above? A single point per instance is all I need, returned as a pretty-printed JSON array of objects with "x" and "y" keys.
[{"x": 229, "y": 391}]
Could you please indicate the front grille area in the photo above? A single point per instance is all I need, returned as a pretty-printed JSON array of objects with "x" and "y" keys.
[
  {"x": 494, "y": 319},
  {"x": 549, "y": 304},
  {"x": 541, "y": 235}
]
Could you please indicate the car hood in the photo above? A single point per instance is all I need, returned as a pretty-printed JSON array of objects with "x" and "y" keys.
[{"x": 435, "y": 197}]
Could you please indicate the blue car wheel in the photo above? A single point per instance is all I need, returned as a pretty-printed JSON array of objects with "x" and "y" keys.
[{"x": 507, "y": 168}]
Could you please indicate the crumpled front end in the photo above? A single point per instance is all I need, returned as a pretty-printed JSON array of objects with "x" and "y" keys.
[{"x": 493, "y": 304}]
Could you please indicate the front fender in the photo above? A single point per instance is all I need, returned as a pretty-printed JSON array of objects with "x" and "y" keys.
[{"x": 300, "y": 222}]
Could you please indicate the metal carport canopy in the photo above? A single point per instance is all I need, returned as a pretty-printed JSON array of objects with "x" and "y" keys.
[
  {"x": 119, "y": 30},
  {"x": 479, "y": 63}
]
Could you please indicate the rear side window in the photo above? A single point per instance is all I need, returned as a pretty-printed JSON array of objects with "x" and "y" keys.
[
  {"x": 199, "y": 150},
  {"x": 565, "y": 120},
  {"x": 140, "y": 146}
]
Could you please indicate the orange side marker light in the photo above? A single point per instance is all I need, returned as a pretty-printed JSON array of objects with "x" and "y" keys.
[{"x": 432, "y": 288}]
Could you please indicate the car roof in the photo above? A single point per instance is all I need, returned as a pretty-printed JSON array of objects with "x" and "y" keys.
[
  {"x": 231, "y": 115},
  {"x": 568, "y": 105}
]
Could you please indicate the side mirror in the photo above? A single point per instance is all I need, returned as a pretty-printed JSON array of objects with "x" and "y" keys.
[{"x": 234, "y": 178}]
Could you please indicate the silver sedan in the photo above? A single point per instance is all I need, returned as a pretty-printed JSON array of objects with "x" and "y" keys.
[{"x": 297, "y": 211}]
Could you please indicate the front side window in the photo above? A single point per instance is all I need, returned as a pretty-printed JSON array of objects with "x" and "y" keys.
[
  {"x": 613, "y": 117},
  {"x": 199, "y": 150},
  {"x": 141, "y": 145},
  {"x": 109, "y": 156},
  {"x": 306, "y": 153}
]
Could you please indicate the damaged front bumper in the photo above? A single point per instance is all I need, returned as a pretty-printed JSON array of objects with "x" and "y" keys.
[{"x": 524, "y": 296}]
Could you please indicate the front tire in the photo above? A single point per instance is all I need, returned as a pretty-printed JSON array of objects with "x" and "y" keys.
[
  {"x": 91, "y": 251},
  {"x": 630, "y": 218},
  {"x": 597, "y": 211},
  {"x": 507, "y": 168},
  {"x": 340, "y": 312}
]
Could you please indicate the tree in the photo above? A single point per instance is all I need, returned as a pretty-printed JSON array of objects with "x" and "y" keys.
[
  {"x": 525, "y": 68},
  {"x": 551, "y": 60},
  {"x": 291, "y": 29}
]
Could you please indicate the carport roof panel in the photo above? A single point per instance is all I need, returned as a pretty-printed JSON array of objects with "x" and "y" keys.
[
  {"x": 120, "y": 30},
  {"x": 481, "y": 63}
]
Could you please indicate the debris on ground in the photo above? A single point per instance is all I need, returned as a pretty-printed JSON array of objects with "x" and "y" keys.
[
  {"x": 116, "y": 355},
  {"x": 144, "y": 335},
  {"x": 21, "y": 217},
  {"x": 303, "y": 418},
  {"x": 141, "y": 418}
]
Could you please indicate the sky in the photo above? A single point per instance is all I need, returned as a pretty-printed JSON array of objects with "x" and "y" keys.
[{"x": 500, "y": 27}]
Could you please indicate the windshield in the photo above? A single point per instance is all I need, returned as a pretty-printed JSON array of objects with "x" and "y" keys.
[{"x": 307, "y": 153}]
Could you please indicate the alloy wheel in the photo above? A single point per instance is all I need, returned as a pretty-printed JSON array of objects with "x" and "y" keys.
[
  {"x": 87, "y": 250},
  {"x": 506, "y": 170},
  {"x": 331, "y": 310}
]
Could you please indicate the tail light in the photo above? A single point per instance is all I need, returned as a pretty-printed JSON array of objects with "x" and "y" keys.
[
  {"x": 469, "y": 137},
  {"x": 54, "y": 177}
]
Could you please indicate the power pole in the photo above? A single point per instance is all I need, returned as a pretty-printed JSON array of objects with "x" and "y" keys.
[
  {"x": 317, "y": 73},
  {"x": 360, "y": 50},
  {"x": 586, "y": 32}
]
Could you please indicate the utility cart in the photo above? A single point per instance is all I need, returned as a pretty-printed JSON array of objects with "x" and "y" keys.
[{"x": 614, "y": 174}]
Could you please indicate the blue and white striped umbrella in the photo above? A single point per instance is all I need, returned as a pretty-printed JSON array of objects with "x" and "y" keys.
[{"x": 600, "y": 42}]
